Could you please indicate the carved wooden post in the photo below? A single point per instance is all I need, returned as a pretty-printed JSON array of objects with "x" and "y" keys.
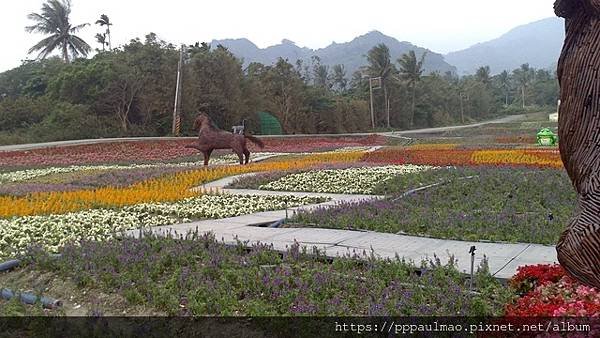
[{"x": 579, "y": 135}]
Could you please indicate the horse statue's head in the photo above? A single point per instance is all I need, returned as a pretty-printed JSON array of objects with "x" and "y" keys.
[{"x": 201, "y": 120}]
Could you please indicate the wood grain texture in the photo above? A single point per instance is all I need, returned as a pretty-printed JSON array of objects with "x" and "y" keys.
[{"x": 578, "y": 248}]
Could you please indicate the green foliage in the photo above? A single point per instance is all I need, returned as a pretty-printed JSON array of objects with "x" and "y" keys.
[{"x": 129, "y": 91}]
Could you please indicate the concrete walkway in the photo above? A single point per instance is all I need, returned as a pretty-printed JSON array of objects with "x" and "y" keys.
[
  {"x": 21, "y": 147},
  {"x": 503, "y": 259}
]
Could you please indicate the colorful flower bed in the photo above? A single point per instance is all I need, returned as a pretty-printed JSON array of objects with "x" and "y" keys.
[
  {"x": 541, "y": 158},
  {"x": 202, "y": 277},
  {"x": 53, "y": 231},
  {"x": 163, "y": 189},
  {"x": 28, "y": 174},
  {"x": 342, "y": 181},
  {"x": 546, "y": 291},
  {"x": 153, "y": 151},
  {"x": 495, "y": 204},
  {"x": 221, "y": 206}
]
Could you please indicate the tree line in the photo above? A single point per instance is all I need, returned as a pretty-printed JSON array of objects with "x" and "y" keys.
[{"x": 129, "y": 90}]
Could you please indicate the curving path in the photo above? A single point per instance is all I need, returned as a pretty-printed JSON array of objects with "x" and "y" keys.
[
  {"x": 32, "y": 146},
  {"x": 503, "y": 259}
]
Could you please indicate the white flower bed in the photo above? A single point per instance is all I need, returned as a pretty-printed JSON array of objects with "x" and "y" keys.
[
  {"x": 24, "y": 175},
  {"x": 221, "y": 206},
  {"x": 341, "y": 181},
  {"x": 53, "y": 231}
]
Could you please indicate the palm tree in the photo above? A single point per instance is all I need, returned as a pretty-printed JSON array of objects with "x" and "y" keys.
[
  {"x": 380, "y": 65},
  {"x": 524, "y": 76},
  {"x": 54, "y": 21},
  {"x": 412, "y": 70},
  {"x": 483, "y": 75},
  {"x": 101, "y": 39},
  {"x": 105, "y": 21},
  {"x": 504, "y": 81}
]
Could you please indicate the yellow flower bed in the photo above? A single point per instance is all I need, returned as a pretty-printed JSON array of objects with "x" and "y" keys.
[
  {"x": 516, "y": 157},
  {"x": 434, "y": 146},
  {"x": 164, "y": 189}
]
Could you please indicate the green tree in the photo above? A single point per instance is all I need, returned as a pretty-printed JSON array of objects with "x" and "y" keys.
[
  {"x": 380, "y": 65},
  {"x": 339, "y": 78},
  {"x": 101, "y": 39},
  {"x": 483, "y": 75},
  {"x": 105, "y": 21},
  {"x": 504, "y": 82},
  {"x": 411, "y": 71},
  {"x": 54, "y": 21},
  {"x": 523, "y": 76}
]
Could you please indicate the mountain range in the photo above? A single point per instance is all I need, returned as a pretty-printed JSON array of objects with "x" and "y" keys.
[{"x": 537, "y": 43}]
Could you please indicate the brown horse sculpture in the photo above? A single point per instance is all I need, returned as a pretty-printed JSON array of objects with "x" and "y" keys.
[{"x": 211, "y": 138}]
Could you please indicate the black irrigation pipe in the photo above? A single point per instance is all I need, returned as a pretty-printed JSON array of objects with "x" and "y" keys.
[
  {"x": 410, "y": 192},
  {"x": 25, "y": 297},
  {"x": 29, "y": 298}
]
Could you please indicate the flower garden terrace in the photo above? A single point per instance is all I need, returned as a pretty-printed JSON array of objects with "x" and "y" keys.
[{"x": 102, "y": 201}]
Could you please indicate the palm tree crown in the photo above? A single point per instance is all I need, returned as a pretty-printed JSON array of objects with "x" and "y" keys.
[
  {"x": 54, "y": 21},
  {"x": 105, "y": 21}
]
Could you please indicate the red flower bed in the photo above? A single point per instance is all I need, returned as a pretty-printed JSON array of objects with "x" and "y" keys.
[
  {"x": 137, "y": 151},
  {"x": 98, "y": 153},
  {"x": 548, "y": 292},
  {"x": 317, "y": 143}
]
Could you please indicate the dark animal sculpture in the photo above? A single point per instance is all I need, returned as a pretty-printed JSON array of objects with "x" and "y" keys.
[
  {"x": 211, "y": 138},
  {"x": 578, "y": 248}
]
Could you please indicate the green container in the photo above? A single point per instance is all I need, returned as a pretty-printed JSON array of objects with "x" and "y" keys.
[
  {"x": 546, "y": 137},
  {"x": 269, "y": 124}
]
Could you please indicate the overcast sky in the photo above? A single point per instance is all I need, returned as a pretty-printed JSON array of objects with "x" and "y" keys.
[{"x": 440, "y": 25}]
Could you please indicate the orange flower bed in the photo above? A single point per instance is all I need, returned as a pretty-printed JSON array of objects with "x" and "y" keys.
[
  {"x": 164, "y": 189},
  {"x": 399, "y": 155},
  {"x": 536, "y": 158},
  {"x": 546, "y": 158}
]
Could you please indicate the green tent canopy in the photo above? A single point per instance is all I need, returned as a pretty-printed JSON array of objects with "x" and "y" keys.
[{"x": 269, "y": 125}]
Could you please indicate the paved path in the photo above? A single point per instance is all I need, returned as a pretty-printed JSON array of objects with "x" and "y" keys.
[
  {"x": 18, "y": 147},
  {"x": 503, "y": 259}
]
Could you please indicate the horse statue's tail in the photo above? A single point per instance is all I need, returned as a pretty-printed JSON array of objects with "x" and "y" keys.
[{"x": 255, "y": 140}]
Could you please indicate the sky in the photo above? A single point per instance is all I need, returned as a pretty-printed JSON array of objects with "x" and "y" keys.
[{"x": 439, "y": 25}]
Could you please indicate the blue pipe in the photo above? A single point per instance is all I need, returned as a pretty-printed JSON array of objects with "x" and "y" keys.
[
  {"x": 28, "y": 298},
  {"x": 9, "y": 265}
]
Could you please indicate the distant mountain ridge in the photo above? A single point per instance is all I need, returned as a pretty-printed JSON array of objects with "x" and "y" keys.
[
  {"x": 537, "y": 43},
  {"x": 351, "y": 54}
]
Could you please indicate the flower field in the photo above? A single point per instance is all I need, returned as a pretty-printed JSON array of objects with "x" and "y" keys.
[
  {"x": 156, "y": 151},
  {"x": 546, "y": 291},
  {"x": 479, "y": 203},
  {"x": 341, "y": 181},
  {"x": 77, "y": 200},
  {"x": 443, "y": 155},
  {"x": 204, "y": 277},
  {"x": 53, "y": 231}
]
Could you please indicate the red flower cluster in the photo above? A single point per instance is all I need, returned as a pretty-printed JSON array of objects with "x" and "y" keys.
[{"x": 549, "y": 292}]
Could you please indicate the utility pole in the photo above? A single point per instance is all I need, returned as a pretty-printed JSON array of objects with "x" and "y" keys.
[
  {"x": 371, "y": 95},
  {"x": 371, "y": 87},
  {"x": 178, "y": 89}
]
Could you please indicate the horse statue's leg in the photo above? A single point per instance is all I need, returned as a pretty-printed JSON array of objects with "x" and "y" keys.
[
  {"x": 206, "y": 154},
  {"x": 247, "y": 155}
]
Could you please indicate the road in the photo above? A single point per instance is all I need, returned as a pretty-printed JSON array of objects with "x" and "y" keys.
[{"x": 32, "y": 146}]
